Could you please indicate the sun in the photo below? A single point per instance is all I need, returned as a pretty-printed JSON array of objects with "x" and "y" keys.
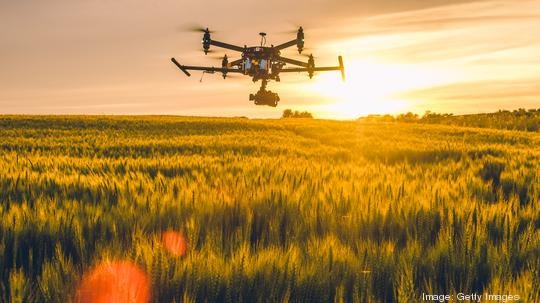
[{"x": 371, "y": 87}]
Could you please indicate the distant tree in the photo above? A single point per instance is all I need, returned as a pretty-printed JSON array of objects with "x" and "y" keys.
[
  {"x": 377, "y": 118},
  {"x": 296, "y": 114},
  {"x": 408, "y": 117},
  {"x": 304, "y": 115},
  {"x": 388, "y": 118},
  {"x": 430, "y": 117},
  {"x": 287, "y": 113}
]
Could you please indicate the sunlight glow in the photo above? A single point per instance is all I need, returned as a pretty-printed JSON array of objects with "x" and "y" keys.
[{"x": 371, "y": 87}]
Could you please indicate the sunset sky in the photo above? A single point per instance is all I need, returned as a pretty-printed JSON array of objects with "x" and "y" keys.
[{"x": 112, "y": 57}]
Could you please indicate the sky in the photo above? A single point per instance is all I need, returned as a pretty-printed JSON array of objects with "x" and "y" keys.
[{"x": 112, "y": 57}]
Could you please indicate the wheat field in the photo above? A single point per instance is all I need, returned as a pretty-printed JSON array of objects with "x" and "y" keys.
[{"x": 288, "y": 210}]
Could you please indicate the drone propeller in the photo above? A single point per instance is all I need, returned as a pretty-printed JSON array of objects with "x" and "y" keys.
[
  {"x": 227, "y": 76},
  {"x": 289, "y": 31},
  {"x": 194, "y": 28},
  {"x": 220, "y": 57},
  {"x": 308, "y": 55},
  {"x": 306, "y": 51},
  {"x": 292, "y": 28}
]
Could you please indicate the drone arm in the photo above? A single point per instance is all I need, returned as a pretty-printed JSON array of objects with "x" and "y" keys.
[
  {"x": 292, "y": 61},
  {"x": 227, "y": 46},
  {"x": 326, "y": 68},
  {"x": 211, "y": 69},
  {"x": 318, "y": 69},
  {"x": 293, "y": 70},
  {"x": 286, "y": 44},
  {"x": 236, "y": 62}
]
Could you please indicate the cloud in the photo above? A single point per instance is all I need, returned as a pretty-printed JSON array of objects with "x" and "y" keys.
[{"x": 444, "y": 32}]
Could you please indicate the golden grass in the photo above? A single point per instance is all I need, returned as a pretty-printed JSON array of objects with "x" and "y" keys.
[{"x": 272, "y": 211}]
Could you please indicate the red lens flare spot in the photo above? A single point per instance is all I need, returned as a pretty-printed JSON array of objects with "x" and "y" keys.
[
  {"x": 175, "y": 243},
  {"x": 114, "y": 282}
]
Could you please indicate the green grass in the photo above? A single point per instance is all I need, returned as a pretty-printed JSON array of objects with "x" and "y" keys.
[{"x": 293, "y": 210}]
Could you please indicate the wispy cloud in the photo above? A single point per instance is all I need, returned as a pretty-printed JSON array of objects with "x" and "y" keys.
[{"x": 487, "y": 50}]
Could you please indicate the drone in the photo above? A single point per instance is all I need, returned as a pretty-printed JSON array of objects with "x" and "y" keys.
[{"x": 262, "y": 62}]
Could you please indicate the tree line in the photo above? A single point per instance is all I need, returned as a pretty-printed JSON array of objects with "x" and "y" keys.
[{"x": 520, "y": 119}]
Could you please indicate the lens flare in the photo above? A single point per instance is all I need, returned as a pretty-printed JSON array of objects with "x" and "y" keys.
[
  {"x": 175, "y": 243},
  {"x": 114, "y": 282}
]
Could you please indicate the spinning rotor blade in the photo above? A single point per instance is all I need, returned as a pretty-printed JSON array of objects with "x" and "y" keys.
[
  {"x": 293, "y": 28},
  {"x": 309, "y": 50},
  {"x": 194, "y": 28},
  {"x": 216, "y": 56},
  {"x": 219, "y": 57},
  {"x": 308, "y": 55},
  {"x": 289, "y": 31}
]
